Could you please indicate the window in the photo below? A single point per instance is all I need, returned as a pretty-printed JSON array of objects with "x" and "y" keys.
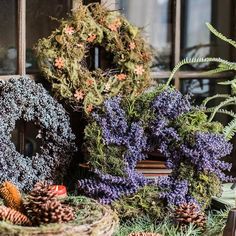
[
  {"x": 22, "y": 23},
  {"x": 176, "y": 29}
]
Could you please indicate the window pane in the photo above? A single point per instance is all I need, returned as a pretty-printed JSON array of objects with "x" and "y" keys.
[
  {"x": 197, "y": 41},
  {"x": 8, "y": 43},
  {"x": 203, "y": 87},
  {"x": 39, "y": 24},
  {"x": 155, "y": 17}
]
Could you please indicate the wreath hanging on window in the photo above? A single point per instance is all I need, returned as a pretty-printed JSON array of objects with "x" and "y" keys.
[
  {"x": 24, "y": 99},
  {"x": 62, "y": 57}
]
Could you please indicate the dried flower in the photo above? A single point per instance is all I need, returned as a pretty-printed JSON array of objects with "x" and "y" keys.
[
  {"x": 69, "y": 30},
  {"x": 121, "y": 77},
  {"x": 107, "y": 86},
  {"x": 139, "y": 70},
  {"x": 91, "y": 38},
  {"x": 132, "y": 45},
  {"x": 89, "y": 82},
  {"x": 89, "y": 108},
  {"x": 59, "y": 62},
  {"x": 115, "y": 25},
  {"x": 79, "y": 95}
]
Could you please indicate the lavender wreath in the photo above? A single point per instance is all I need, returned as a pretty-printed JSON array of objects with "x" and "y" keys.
[{"x": 24, "y": 99}]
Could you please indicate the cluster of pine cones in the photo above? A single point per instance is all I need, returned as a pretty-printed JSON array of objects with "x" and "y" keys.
[{"x": 41, "y": 206}]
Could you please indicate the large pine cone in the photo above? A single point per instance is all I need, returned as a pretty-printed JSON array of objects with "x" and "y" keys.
[
  {"x": 11, "y": 196},
  {"x": 13, "y": 216},
  {"x": 189, "y": 213},
  {"x": 43, "y": 207}
]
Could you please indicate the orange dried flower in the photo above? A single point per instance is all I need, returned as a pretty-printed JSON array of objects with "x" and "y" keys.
[
  {"x": 91, "y": 38},
  {"x": 115, "y": 25},
  {"x": 89, "y": 108},
  {"x": 79, "y": 95},
  {"x": 121, "y": 77},
  {"x": 132, "y": 45},
  {"x": 89, "y": 82},
  {"x": 11, "y": 196},
  {"x": 69, "y": 30},
  {"x": 59, "y": 63},
  {"x": 139, "y": 70}
]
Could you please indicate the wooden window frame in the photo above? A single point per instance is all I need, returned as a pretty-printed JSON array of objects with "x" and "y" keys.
[{"x": 176, "y": 47}]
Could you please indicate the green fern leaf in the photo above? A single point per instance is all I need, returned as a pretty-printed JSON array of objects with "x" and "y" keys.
[
  {"x": 222, "y": 111},
  {"x": 204, "y": 103},
  {"x": 199, "y": 60},
  {"x": 230, "y": 130},
  {"x": 220, "y": 35}
]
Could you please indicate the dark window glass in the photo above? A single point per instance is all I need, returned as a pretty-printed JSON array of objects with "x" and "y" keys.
[
  {"x": 39, "y": 24},
  {"x": 203, "y": 87},
  {"x": 196, "y": 39},
  {"x": 155, "y": 17},
  {"x": 8, "y": 42}
]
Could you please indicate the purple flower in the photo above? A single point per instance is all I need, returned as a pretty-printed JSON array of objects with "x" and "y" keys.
[{"x": 171, "y": 104}]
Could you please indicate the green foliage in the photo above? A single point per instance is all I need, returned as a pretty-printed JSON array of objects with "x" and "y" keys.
[
  {"x": 144, "y": 202},
  {"x": 215, "y": 224},
  {"x": 202, "y": 185},
  {"x": 195, "y": 121},
  {"x": 140, "y": 107},
  {"x": 223, "y": 65},
  {"x": 108, "y": 159},
  {"x": 88, "y": 27}
]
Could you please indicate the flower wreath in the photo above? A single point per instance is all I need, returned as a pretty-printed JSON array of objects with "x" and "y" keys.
[
  {"x": 62, "y": 55},
  {"x": 23, "y": 99},
  {"x": 124, "y": 131}
]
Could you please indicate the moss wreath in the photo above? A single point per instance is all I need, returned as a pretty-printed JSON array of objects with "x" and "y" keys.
[
  {"x": 24, "y": 99},
  {"x": 61, "y": 57}
]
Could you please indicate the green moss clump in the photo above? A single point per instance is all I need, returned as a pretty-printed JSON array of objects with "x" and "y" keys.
[{"x": 144, "y": 202}]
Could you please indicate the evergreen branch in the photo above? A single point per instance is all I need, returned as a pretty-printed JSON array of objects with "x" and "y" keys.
[
  {"x": 230, "y": 130},
  {"x": 204, "y": 103},
  {"x": 198, "y": 60},
  {"x": 220, "y": 35}
]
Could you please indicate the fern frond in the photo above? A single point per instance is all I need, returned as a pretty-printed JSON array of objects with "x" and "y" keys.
[
  {"x": 230, "y": 130},
  {"x": 220, "y": 35},
  {"x": 198, "y": 60},
  {"x": 227, "y": 102},
  {"x": 205, "y": 101},
  {"x": 222, "y": 111},
  {"x": 228, "y": 82}
]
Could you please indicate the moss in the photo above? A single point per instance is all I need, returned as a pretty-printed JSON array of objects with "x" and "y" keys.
[
  {"x": 94, "y": 26},
  {"x": 202, "y": 185},
  {"x": 144, "y": 202},
  {"x": 108, "y": 159}
]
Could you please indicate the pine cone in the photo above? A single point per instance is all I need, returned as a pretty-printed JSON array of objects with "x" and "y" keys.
[
  {"x": 42, "y": 206},
  {"x": 189, "y": 213},
  {"x": 11, "y": 196},
  {"x": 15, "y": 217},
  {"x": 144, "y": 234}
]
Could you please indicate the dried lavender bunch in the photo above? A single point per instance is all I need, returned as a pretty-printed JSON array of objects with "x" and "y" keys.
[{"x": 24, "y": 99}]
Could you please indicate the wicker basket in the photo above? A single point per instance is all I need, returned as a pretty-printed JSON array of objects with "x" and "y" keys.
[{"x": 92, "y": 219}]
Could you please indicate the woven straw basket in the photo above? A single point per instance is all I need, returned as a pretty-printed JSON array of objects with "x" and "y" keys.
[{"x": 93, "y": 219}]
